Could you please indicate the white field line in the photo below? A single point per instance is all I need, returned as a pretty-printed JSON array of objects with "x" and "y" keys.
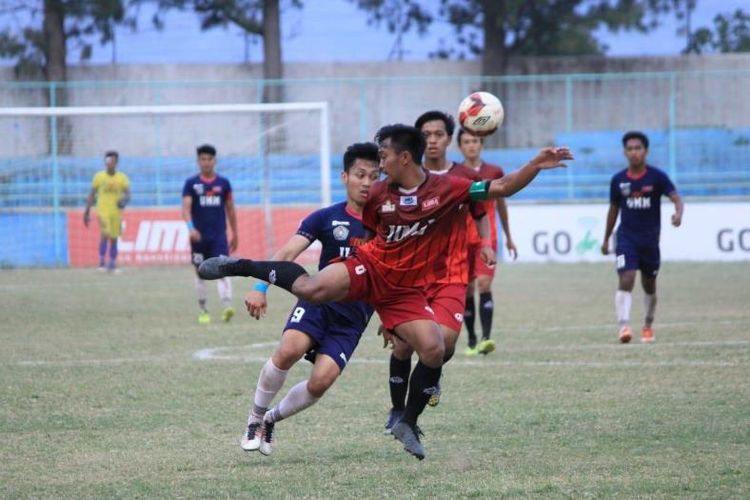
[{"x": 230, "y": 354}]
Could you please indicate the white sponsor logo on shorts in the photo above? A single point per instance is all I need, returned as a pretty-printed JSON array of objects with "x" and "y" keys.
[{"x": 360, "y": 270}]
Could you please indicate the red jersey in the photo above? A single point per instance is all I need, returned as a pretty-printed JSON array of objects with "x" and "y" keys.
[
  {"x": 414, "y": 228},
  {"x": 463, "y": 234},
  {"x": 488, "y": 172}
]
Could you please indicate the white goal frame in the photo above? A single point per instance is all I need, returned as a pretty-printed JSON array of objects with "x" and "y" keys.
[
  {"x": 321, "y": 106},
  {"x": 56, "y": 112}
]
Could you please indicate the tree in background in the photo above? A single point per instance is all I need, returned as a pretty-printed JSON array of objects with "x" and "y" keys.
[
  {"x": 498, "y": 30},
  {"x": 257, "y": 18},
  {"x": 43, "y": 33},
  {"x": 731, "y": 33}
]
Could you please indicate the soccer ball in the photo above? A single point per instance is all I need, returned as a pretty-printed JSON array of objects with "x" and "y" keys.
[{"x": 481, "y": 113}]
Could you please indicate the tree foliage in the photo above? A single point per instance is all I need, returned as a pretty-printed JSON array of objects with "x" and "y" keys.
[
  {"x": 497, "y": 30},
  {"x": 730, "y": 33},
  {"x": 28, "y": 35}
]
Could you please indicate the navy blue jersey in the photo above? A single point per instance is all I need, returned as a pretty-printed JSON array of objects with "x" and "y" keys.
[
  {"x": 338, "y": 231},
  {"x": 639, "y": 199},
  {"x": 209, "y": 204}
]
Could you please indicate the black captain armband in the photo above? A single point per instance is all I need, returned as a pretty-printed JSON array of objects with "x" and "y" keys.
[{"x": 479, "y": 190}]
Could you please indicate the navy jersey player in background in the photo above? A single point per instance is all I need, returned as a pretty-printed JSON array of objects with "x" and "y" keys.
[
  {"x": 207, "y": 204},
  {"x": 635, "y": 193},
  {"x": 326, "y": 334}
]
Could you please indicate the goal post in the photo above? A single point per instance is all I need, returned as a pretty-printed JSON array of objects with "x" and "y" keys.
[{"x": 276, "y": 155}]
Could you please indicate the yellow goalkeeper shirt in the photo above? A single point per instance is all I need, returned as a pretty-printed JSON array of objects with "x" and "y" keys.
[{"x": 109, "y": 190}]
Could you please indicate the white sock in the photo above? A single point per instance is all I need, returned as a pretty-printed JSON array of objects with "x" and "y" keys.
[
  {"x": 200, "y": 290},
  {"x": 649, "y": 303},
  {"x": 297, "y": 399},
  {"x": 623, "y": 300},
  {"x": 270, "y": 382},
  {"x": 224, "y": 287}
]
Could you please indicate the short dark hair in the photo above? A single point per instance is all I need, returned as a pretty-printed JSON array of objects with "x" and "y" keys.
[
  {"x": 403, "y": 138},
  {"x": 462, "y": 131},
  {"x": 450, "y": 123},
  {"x": 112, "y": 153},
  {"x": 206, "y": 149},
  {"x": 634, "y": 134},
  {"x": 360, "y": 151}
]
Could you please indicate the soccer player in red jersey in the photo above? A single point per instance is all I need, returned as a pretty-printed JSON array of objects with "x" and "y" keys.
[
  {"x": 445, "y": 296},
  {"x": 481, "y": 274},
  {"x": 411, "y": 214}
]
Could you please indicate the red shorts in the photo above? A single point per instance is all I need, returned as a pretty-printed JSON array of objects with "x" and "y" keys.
[
  {"x": 448, "y": 301},
  {"x": 394, "y": 304},
  {"x": 477, "y": 267}
]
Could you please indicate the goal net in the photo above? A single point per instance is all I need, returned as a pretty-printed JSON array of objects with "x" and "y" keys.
[{"x": 276, "y": 156}]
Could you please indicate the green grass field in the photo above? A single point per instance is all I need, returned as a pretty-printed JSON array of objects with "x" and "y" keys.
[{"x": 111, "y": 389}]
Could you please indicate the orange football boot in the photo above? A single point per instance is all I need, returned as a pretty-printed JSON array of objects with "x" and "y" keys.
[{"x": 647, "y": 335}]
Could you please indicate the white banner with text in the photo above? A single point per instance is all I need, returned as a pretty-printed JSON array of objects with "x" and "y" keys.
[{"x": 574, "y": 233}]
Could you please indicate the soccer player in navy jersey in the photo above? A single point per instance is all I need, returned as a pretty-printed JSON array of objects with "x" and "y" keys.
[
  {"x": 207, "y": 204},
  {"x": 635, "y": 193},
  {"x": 411, "y": 215},
  {"x": 326, "y": 334}
]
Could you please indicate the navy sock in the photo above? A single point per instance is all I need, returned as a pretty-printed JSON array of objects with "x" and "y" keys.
[
  {"x": 398, "y": 381},
  {"x": 469, "y": 317},
  {"x": 486, "y": 310},
  {"x": 423, "y": 384}
]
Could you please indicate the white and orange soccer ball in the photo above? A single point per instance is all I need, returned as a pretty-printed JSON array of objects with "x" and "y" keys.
[{"x": 481, "y": 113}]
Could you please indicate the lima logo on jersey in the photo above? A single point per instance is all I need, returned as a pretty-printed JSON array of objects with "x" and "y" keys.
[{"x": 400, "y": 232}]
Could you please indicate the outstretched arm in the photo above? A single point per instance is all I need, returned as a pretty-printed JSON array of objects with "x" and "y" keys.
[
  {"x": 510, "y": 184},
  {"x": 255, "y": 300}
]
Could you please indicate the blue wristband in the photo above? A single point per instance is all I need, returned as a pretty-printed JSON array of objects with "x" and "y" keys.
[
  {"x": 261, "y": 287},
  {"x": 190, "y": 225}
]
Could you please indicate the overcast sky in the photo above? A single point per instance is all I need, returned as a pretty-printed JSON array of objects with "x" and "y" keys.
[{"x": 335, "y": 30}]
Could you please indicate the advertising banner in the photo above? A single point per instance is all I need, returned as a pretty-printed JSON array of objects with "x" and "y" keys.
[
  {"x": 160, "y": 236},
  {"x": 573, "y": 233}
]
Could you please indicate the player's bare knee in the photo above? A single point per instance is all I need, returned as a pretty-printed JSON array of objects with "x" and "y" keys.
[
  {"x": 432, "y": 354},
  {"x": 401, "y": 350},
  {"x": 484, "y": 284},
  {"x": 285, "y": 357}
]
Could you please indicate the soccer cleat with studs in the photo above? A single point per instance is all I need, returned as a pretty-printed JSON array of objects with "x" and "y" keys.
[
  {"x": 409, "y": 437},
  {"x": 227, "y": 314},
  {"x": 204, "y": 318},
  {"x": 647, "y": 335},
  {"x": 393, "y": 417},
  {"x": 266, "y": 438},
  {"x": 251, "y": 439},
  {"x": 486, "y": 346},
  {"x": 216, "y": 268}
]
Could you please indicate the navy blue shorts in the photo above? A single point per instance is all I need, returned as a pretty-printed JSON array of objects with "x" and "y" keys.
[
  {"x": 206, "y": 248},
  {"x": 635, "y": 253},
  {"x": 334, "y": 334}
]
